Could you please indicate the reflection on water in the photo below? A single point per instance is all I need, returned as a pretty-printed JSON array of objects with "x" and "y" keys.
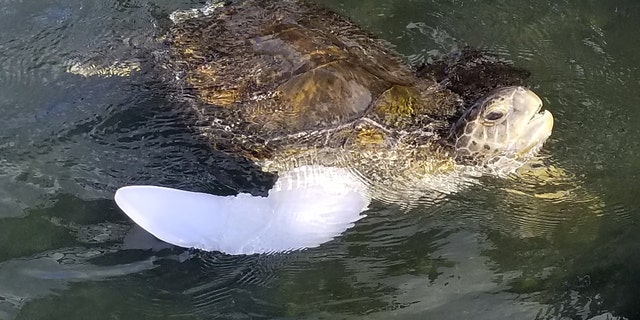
[{"x": 558, "y": 240}]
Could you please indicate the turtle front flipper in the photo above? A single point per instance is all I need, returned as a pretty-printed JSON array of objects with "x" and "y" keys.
[
  {"x": 123, "y": 56},
  {"x": 307, "y": 206},
  {"x": 536, "y": 189},
  {"x": 117, "y": 69},
  {"x": 121, "y": 49}
]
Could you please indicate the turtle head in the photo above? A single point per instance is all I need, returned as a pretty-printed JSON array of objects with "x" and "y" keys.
[{"x": 502, "y": 130}]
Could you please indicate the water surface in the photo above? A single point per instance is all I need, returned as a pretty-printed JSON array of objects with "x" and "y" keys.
[{"x": 562, "y": 244}]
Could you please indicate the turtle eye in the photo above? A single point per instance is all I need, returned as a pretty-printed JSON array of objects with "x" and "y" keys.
[
  {"x": 495, "y": 112},
  {"x": 493, "y": 116}
]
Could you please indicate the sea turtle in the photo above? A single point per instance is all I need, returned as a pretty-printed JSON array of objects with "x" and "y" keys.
[{"x": 289, "y": 83}]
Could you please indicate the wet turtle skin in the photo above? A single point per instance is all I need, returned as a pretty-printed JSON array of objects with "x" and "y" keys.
[{"x": 288, "y": 83}]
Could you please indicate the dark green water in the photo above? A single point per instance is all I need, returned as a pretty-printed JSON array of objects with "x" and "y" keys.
[{"x": 496, "y": 251}]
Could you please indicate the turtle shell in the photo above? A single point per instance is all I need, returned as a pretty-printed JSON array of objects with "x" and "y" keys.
[{"x": 264, "y": 75}]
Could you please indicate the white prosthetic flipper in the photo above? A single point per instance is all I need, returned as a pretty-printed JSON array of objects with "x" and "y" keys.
[{"x": 307, "y": 206}]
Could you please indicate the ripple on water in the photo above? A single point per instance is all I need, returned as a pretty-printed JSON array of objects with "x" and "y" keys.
[
  {"x": 219, "y": 285},
  {"x": 225, "y": 280},
  {"x": 536, "y": 202}
]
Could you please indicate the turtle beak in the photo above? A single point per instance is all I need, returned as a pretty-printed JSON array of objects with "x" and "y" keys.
[
  {"x": 537, "y": 130},
  {"x": 541, "y": 122}
]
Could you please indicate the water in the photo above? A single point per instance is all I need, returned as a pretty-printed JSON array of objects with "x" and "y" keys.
[{"x": 560, "y": 244}]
